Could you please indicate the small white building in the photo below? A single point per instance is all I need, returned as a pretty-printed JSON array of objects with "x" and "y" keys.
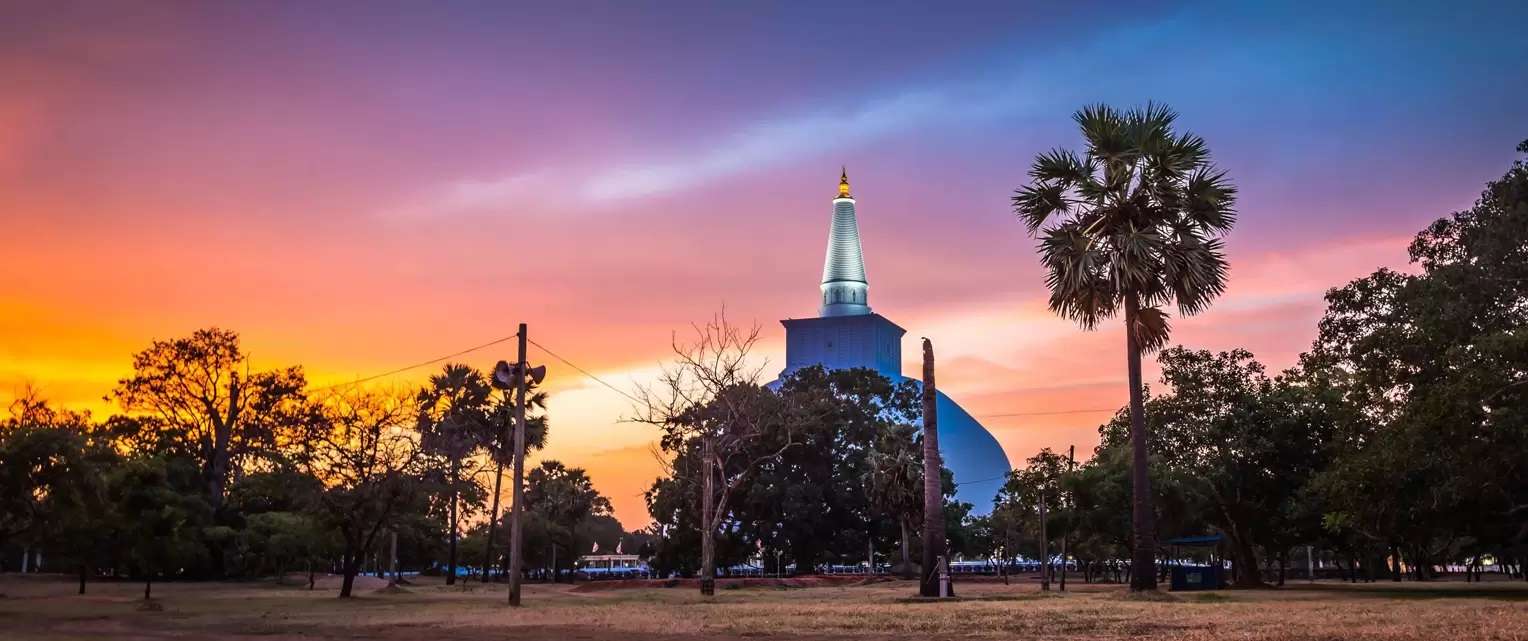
[{"x": 610, "y": 566}]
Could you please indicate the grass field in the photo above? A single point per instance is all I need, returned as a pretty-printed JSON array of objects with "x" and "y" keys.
[{"x": 47, "y": 608}]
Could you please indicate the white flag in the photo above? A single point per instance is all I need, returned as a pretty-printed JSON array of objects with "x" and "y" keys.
[
  {"x": 618, "y": 546},
  {"x": 596, "y": 549}
]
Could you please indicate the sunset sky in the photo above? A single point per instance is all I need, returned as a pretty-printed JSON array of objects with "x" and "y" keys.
[{"x": 356, "y": 186}]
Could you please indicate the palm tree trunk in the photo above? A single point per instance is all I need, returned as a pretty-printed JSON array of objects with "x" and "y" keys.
[
  {"x": 451, "y": 547},
  {"x": 493, "y": 515},
  {"x": 933, "y": 494},
  {"x": 1143, "y": 575}
]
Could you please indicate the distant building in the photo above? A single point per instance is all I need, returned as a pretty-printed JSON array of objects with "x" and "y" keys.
[
  {"x": 847, "y": 334},
  {"x": 611, "y": 566}
]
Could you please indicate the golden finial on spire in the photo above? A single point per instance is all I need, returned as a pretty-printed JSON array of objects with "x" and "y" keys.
[{"x": 843, "y": 183}]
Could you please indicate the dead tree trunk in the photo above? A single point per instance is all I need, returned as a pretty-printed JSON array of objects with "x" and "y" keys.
[{"x": 933, "y": 492}]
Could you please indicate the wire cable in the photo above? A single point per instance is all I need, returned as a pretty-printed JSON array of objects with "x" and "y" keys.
[
  {"x": 623, "y": 393},
  {"x": 583, "y": 371},
  {"x": 418, "y": 365},
  {"x": 987, "y": 480}
]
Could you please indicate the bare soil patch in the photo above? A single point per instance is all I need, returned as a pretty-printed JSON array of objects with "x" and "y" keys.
[{"x": 816, "y": 609}]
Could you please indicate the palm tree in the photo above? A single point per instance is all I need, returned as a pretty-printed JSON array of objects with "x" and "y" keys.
[
  {"x": 455, "y": 424},
  {"x": 503, "y": 418},
  {"x": 896, "y": 481},
  {"x": 564, "y": 497},
  {"x": 1133, "y": 224}
]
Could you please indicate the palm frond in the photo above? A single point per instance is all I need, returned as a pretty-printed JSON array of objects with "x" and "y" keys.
[
  {"x": 1195, "y": 272},
  {"x": 1151, "y": 329},
  {"x": 1187, "y": 152},
  {"x": 1154, "y": 121},
  {"x": 1209, "y": 199},
  {"x": 1107, "y": 133},
  {"x": 1076, "y": 274},
  {"x": 1058, "y": 166},
  {"x": 1034, "y": 204},
  {"x": 1095, "y": 193},
  {"x": 1135, "y": 263}
]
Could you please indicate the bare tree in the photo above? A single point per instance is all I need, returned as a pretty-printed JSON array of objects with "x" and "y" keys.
[
  {"x": 371, "y": 463},
  {"x": 710, "y": 398}
]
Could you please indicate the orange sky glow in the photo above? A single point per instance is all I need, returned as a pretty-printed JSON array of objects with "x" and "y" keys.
[{"x": 355, "y": 193}]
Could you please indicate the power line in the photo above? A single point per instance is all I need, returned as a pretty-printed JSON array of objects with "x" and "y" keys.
[
  {"x": 995, "y": 478},
  {"x": 469, "y": 350},
  {"x": 1053, "y": 413},
  {"x": 618, "y": 390},
  {"x": 418, "y": 365},
  {"x": 583, "y": 371}
]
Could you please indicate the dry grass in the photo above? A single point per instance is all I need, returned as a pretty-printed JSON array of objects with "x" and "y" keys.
[{"x": 46, "y": 608}]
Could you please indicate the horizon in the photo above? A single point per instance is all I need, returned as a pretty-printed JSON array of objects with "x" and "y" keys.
[{"x": 355, "y": 189}]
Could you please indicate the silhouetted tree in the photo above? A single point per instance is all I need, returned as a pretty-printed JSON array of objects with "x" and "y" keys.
[
  {"x": 373, "y": 469},
  {"x": 201, "y": 386},
  {"x": 455, "y": 424}
]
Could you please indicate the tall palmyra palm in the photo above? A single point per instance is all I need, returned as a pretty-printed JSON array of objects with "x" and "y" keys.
[
  {"x": 502, "y": 419},
  {"x": 1134, "y": 224},
  {"x": 454, "y": 425}
]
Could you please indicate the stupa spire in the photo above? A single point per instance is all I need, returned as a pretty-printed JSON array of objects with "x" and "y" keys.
[{"x": 844, "y": 288}]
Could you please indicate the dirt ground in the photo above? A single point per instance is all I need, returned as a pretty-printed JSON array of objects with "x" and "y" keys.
[{"x": 46, "y": 608}]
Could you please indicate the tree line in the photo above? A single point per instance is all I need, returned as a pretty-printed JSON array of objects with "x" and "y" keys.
[
  {"x": 214, "y": 469},
  {"x": 1398, "y": 443}
]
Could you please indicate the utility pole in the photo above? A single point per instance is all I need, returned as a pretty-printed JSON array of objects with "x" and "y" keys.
[
  {"x": 1045, "y": 568},
  {"x": 518, "y": 509},
  {"x": 1071, "y": 513}
]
